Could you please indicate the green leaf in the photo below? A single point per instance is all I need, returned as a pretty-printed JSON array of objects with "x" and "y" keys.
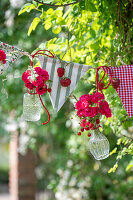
[
  {"x": 113, "y": 169},
  {"x": 26, "y": 8},
  {"x": 60, "y": 40},
  {"x": 130, "y": 165},
  {"x": 92, "y": 32},
  {"x": 91, "y": 7},
  {"x": 33, "y": 25},
  {"x": 48, "y": 25},
  {"x": 113, "y": 151},
  {"x": 56, "y": 29}
]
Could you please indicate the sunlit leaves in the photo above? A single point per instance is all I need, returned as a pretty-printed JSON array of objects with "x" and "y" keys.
[
  {"x": 26, "y": 8},
  {"x": 129, "y": 166},
  {"x": 56, "y": 29},
  {"x": 113, "y": 169},
  {"x": 33, "y": 25}
]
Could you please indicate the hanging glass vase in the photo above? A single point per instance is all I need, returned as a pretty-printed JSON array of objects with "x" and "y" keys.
[
  {"x": 99, "y": 145},
  {"x": 31, "y": 107}
]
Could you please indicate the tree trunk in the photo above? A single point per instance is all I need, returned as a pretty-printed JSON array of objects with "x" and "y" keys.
[{"x": 22, "y": 172}]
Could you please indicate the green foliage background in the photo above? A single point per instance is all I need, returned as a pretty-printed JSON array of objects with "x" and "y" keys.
[{"x": 94, "y": 33}]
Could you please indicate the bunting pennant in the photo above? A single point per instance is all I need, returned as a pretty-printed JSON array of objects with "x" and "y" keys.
[
  {"x": 12, "y": 54},
  {"x": 125, "y": 89},
  {"x": 73, "y": 71}
]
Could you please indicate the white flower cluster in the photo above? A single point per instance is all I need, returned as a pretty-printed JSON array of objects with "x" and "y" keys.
[{"x": 69, "y": 187}]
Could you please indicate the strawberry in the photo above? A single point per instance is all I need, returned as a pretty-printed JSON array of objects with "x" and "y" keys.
[
  {"x": 60, "y": 71},
  {"x": 89, "y": 134},
  {"x": 115, "y": 83},
  {"x": 65, "y": 82}
]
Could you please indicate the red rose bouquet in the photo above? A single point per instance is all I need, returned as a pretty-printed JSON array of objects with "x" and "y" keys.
[
  {"x": 2, "y": 57},
  {"x": 89, "y": 109},
  {"x": 36, "y": 79}
]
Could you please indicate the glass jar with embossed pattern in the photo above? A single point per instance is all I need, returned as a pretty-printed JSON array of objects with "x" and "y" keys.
[
  {"x": 31, "y": 107},
  {"x": 99, "y": 145}
]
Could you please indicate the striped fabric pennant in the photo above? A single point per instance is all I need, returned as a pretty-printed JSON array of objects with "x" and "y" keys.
[
  {"x": 12, "y": 54},
  {"x": 74, "y": 71}
]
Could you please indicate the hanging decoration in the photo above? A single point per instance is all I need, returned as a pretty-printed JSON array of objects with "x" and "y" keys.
[
  {"x": 89, "y": 110},
  {"x": 123, "y": 76},
  {"x": 8, "y": 55},
  {"x": 59, "y": 78},
  {"x": 36, "y": 81},
  {"x": 62, "y": 87}
]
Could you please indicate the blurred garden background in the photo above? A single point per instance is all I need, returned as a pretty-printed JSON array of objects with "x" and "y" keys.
[{"x": 90, "y": 32}]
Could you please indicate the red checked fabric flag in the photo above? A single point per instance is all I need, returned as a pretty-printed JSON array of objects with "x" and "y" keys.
[
  {"x": 125, "y": 90},
  {"x": 74, "y": 71}
]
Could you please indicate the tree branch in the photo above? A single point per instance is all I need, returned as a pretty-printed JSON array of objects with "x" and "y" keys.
[{"x": 46, "y": 4}]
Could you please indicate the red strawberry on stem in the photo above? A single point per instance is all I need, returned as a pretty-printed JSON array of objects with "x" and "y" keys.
[
  {"x": 115, "y": 83},
  {"x": 60, "y": 71},
  {"x": 65, "y": 82}
]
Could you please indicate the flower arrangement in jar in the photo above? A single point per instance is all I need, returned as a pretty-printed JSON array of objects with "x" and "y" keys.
[{"x": 89, "y": 110}]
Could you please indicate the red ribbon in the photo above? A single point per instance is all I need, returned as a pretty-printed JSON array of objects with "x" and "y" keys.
[
  {"x": 38, "y": 52},
  {"x": 100, "y": 85}
]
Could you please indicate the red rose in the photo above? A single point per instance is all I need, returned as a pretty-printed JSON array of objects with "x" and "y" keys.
[
  {"x": 39, "y": 81},
  {"x": 91, "y": 112},
  {"x": 85, "y": 96},
  {"x": 83, "y": 123},
  {"x": 96, "y": 97},
  {"x": 38, "y": 70},
  {"x": 41, "y": 89},
  {"x": 29, "y": 85},
  {"x": 84, "y": 104},
  {"x": 104, "y": 109},
  {"x": 43, "y": 73},
  {"x": 25, "y": 76},
  {"x": 80, "y": 113},
  {"x": 78, "y": 105},
  {"x": 2, "y": 56},
  {"x": 4, "y": 61}
]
